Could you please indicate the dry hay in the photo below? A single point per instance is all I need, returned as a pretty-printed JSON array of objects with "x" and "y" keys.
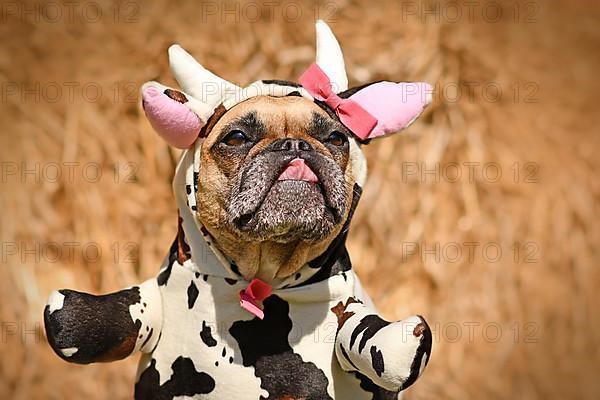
[{"x": 556, "y": 295}]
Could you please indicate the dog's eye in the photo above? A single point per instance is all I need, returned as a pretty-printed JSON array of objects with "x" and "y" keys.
[
  {"x": 336, "y": 138},
  {"x": 235, "y": 138}
]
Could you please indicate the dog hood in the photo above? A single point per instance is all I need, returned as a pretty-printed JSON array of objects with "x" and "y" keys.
[{"x": 369, "y": 111}]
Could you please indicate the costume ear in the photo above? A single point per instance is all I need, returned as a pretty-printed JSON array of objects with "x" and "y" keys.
[
  {"x": 178, "y": 116},
  {"x": 394, "y": 105},
  {"x": 171, "y": 113}
]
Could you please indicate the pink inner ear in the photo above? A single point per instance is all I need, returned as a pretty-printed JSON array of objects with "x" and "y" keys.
[
  {"x": 176, "y": 123},
  {"x": 395, "y": 105}
]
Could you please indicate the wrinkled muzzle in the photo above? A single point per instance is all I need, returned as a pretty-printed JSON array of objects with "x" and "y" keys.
[{"x": 291, "y": 184}]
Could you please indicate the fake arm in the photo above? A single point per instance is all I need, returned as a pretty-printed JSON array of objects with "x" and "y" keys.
[
  {"x": 83, "y": 328},
  {"x": 392, "y": 355}
]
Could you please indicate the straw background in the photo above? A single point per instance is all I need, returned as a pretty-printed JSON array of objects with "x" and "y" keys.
[{"x": 552, "y": 303}]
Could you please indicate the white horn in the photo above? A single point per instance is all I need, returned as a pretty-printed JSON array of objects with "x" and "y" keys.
[
  {"x": 197, "y": 80},
  {"x": 330, "y": 57}
]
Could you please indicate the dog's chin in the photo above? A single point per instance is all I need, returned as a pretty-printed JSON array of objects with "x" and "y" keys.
[{"x": 292, "y": 210}]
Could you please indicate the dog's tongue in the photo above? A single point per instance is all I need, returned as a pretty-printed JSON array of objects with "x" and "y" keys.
[{"x": 297, "y": 170}]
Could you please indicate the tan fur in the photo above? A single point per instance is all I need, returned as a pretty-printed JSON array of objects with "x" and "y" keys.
[{"x": 267, "y": 260}]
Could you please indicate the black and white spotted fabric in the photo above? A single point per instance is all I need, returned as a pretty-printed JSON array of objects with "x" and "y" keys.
[{"x": 321, "y": 337}]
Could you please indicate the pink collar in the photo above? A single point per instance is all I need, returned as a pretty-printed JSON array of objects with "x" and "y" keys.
[{"x": 255, "y": 292}]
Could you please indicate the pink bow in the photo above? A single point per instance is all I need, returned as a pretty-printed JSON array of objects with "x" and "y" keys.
[
  {"x": 256, "y": 291},
  {"x": 350, "y": 113}
]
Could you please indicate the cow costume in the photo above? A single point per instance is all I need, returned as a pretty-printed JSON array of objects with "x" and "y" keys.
[{"x": 207, "y": 333}]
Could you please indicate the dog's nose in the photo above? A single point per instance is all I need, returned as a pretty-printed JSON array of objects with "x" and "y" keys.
[{"x": 295, "y": 145}]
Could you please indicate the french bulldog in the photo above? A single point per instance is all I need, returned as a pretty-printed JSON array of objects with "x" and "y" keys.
[{"x": 256, "y": 298}]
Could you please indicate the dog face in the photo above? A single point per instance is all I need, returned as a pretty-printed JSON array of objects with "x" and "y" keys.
[{"x": 276, "y": 169}]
